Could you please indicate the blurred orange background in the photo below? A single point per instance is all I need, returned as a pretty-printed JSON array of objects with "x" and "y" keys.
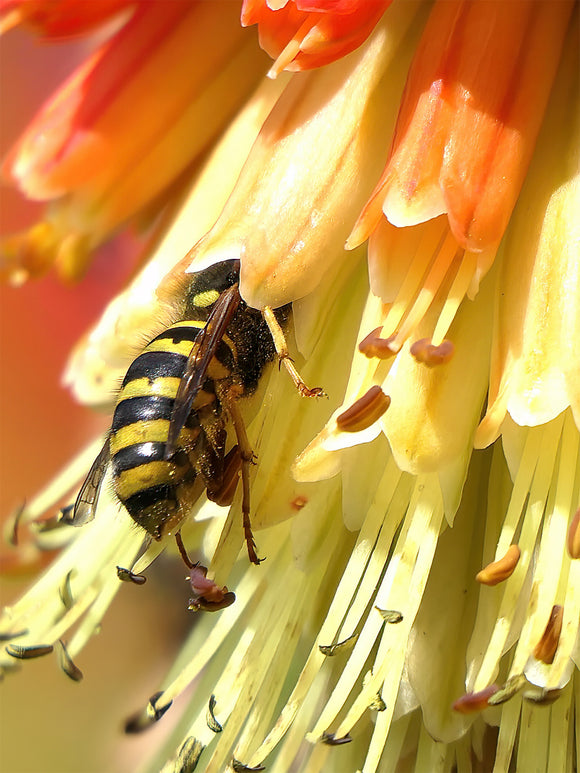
[{"x": 47, "y": 722}]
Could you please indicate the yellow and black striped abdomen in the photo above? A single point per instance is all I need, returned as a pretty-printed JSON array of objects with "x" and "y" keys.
[{"x": 146, "y": 483}]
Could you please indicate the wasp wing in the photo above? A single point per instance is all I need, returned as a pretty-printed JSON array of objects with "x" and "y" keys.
[
  {"x": 198, "y": 363},
  {"x": 86, "y": 501}
]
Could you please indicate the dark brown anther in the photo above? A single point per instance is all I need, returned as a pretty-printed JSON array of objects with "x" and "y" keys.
[
  {"x": 67, "y": 664},
  {"x": 472, "y": 702},
  {"x": 224, "y": 496},
  {"x": 375, "y": 346},
  {"x": 144, "y": 719},
  {"x": 330, "y": 740},
  {"x": 239, "y": 767},
  {"x": 364, "y": 411},
  {"x": 126, "y": 575},
  {"x": 546, "y": 648},
  {"x": 500, "y": 570},
  {"x": 424, "y": 351},
  {"x": 330, "y": 650},
  {"x": 573, "y": 540},
  {"x": 212, "y": 722},
  {"x": 188, "y": 755},
  {"x": 391, "y": 616},
  {"x": 27, "y": 653}
]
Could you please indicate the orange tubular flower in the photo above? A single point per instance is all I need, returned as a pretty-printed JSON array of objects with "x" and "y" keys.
[
  {"x": 468, "y": 122},
  {"x": 114, "y": 136},
  {"x": 58, "y": 18},
  {"x": 303, "y": 34}
]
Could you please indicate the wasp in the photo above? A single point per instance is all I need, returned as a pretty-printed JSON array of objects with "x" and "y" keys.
[{"x": 169, "y": 433}]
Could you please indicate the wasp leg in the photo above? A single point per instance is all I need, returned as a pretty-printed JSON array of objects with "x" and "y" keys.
[
  {"x": 284, "y": 356},
  {"x": 182, "y": 551},
  {"x": 247, "y": 457}
]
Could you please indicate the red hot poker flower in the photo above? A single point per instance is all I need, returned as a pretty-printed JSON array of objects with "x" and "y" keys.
[{"x": 303, "y": 34}]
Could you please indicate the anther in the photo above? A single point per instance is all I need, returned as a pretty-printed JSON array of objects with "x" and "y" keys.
[
  {"x": 212, "y": 722},
  {"x": 126, "y": 575},
  {"x": 546, "y": 648},
  {"x": 330, "y": 650},
  {"x": 65, "y": 591},
  {"x": 330, "y": 740},
  {"x": 424, "y": 351},
  {"x": 188, "y": 755},
  {"x": 508, "y": 690},
  {"x": 144, "y": 719},
  {"x": 67, "y": 664},
  {"x": 500, "y": 570},
  {"x": 27, "y": 653},
  {"x": 364, "y": 411},
  {"x": 377, "y": 703},
  {"x": 574, "y": 536},
  {"x": 239, "y": 767},
  {"x": 375, "y": 346},
  {"x": 391, "y": 616},
  {"x": 475, "y": 701}
]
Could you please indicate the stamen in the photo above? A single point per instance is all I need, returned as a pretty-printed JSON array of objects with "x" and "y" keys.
[
  {"x": 26, "y": 653},
  {"x": 330, "y": 650},
  {"x": 401, "y": 587},
  {"x": 67, "y": 664},
  {"x": 151, "y": 714},
  {"x": 212, "y": 722},
  {"x": 472, "y": 702},
  {"x": 455, "y": 295},
  {"x": 406, "y": 313},
  {"x": 548, "y": 644},
  {"x": 188, "y": 755},
  {"x": 330, "y": 739},
  {"x": 292, "y": 48},
  {"x": 424, "y": 351},
  {"x": 65, "y": 591},
  {"x": 498, "y": 571},
  {"x": 126, "y": 575},
  {"x": 573, "y": 541},
  {"x": 512, "y": 687},
  {"x": 365, "y": 411},
  {"x": 239, "y": 767},
  {"x": 391, "y": 616},
  {"x": 375, "y": 346}
]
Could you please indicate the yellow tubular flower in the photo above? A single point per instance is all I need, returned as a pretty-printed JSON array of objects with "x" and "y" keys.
[{"x": 419, "y": 608}]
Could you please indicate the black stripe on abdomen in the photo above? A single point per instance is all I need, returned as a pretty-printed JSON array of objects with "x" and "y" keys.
[
  {"x": 154, "y": 365},
  {"x": 134, "y": 456},
  {"x": 146, "y": 408},
  {"x": 180, "y": 333}
]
